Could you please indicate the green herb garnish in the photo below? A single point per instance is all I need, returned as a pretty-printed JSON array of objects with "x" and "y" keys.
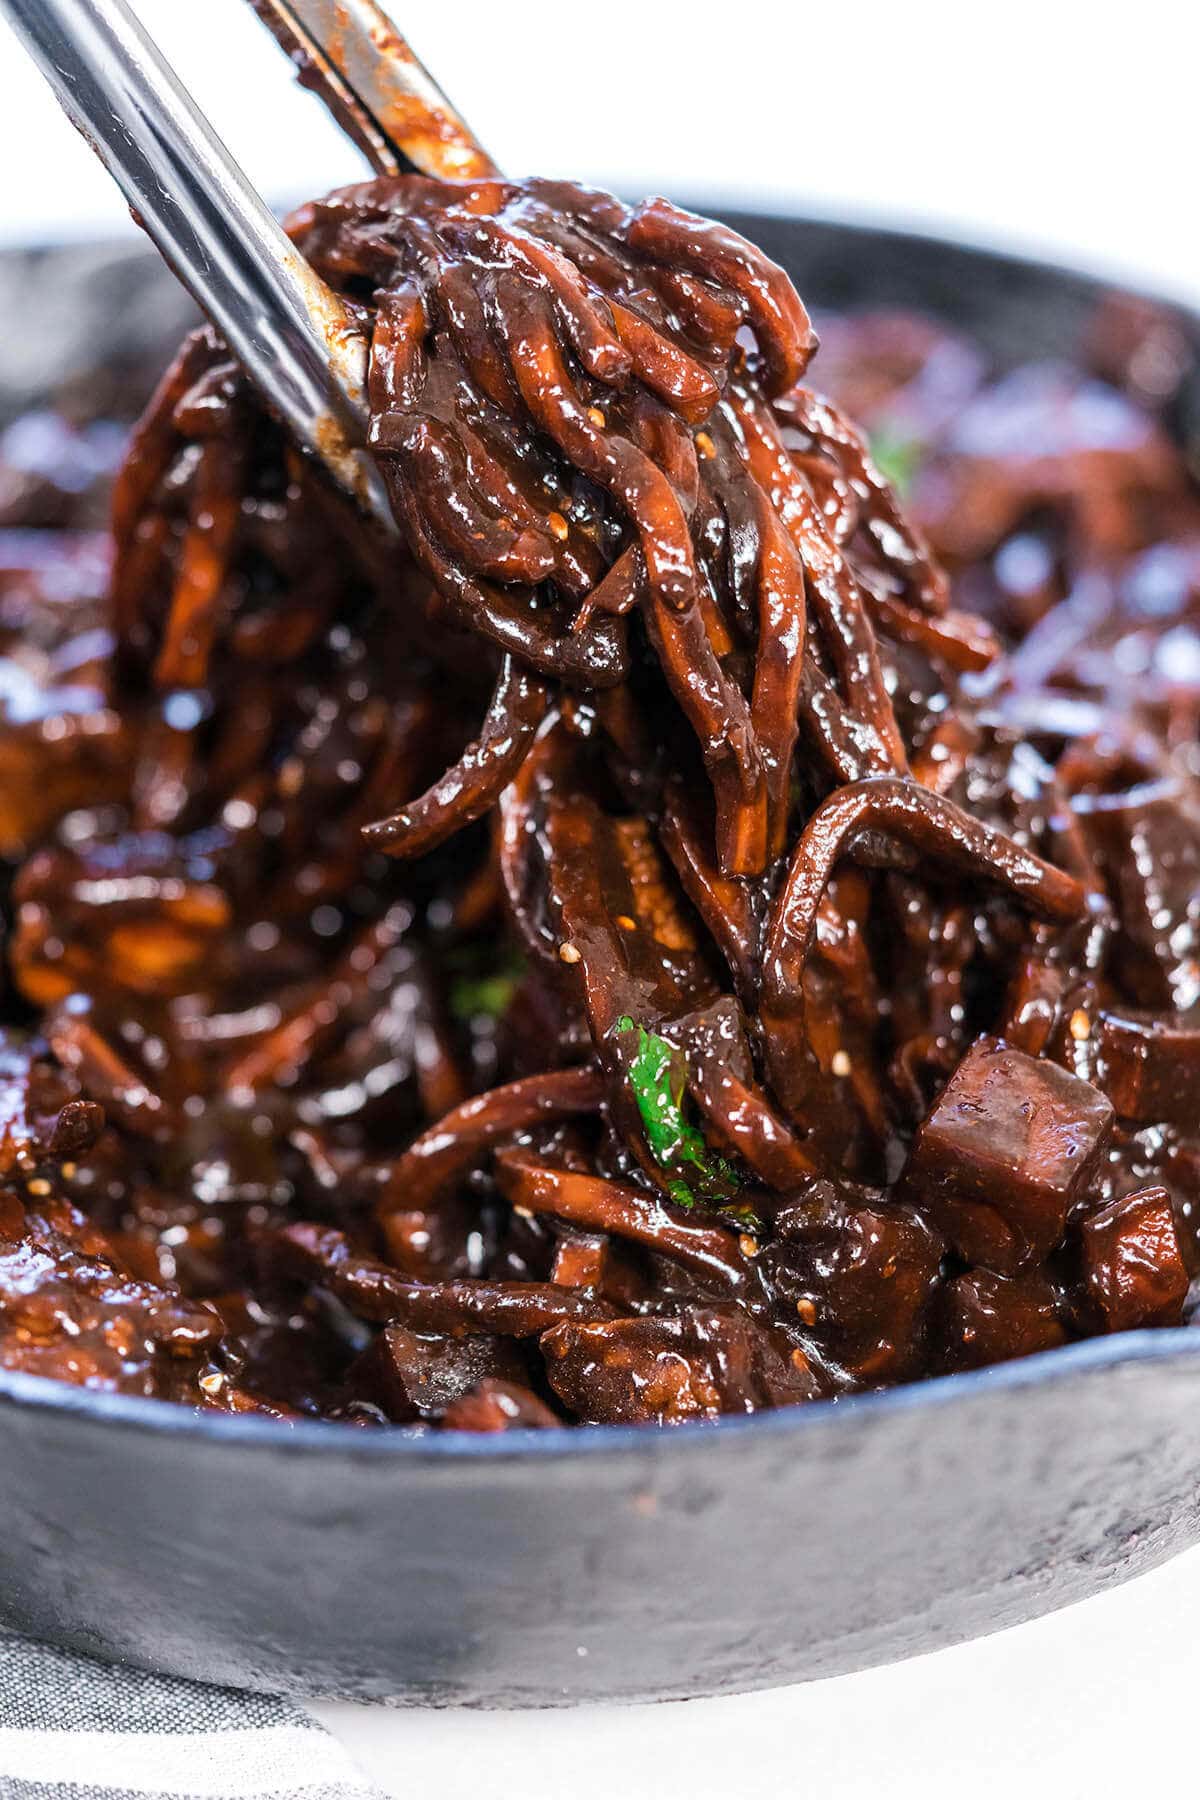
[
  {"x": 896, "y": 457},
  {"x": 696, "y": 1174},
  {"x": 478, "y": 991}
]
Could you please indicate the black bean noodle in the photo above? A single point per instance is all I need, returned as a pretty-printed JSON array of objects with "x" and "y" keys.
[{"x": 708, "y": 923}]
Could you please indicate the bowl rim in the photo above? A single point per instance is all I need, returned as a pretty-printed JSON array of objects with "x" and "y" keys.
[
  {"x": 170, "y": 1420},
  {"x": 173, "y": 1421}
]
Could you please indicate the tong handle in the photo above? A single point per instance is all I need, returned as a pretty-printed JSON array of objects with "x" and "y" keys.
[
  {"x": 292, "y": 333},
  {"x": 378, "y": 90}
]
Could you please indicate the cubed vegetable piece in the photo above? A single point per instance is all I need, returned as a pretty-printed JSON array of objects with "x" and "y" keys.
[
  {"x": 1132, "y": 1262},
  {"x": 579, "y": 1261},
  {"x": 1009, "y": 1147}
]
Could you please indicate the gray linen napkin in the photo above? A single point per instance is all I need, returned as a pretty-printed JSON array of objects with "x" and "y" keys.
[{"x": 73, "y": 1729}]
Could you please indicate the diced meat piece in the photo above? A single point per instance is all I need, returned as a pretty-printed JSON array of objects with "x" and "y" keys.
[
  {"x": 669, "y": 1368},
  {"x": 1132, "y": 1262},
  {"x": 990, "y": 1318},
  {"x": 1147, "y": 841},
  {"x": 413, "y": 1377},
  {"x": 858, "y": 1271},
  {"x": 1150, "y": 1068},
  {"x": 1009, "y": 1147},
  {"x": 498, "y": 1406}
]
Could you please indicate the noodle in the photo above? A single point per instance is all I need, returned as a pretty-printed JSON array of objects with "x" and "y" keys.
[{"x": 680, "y": 936}]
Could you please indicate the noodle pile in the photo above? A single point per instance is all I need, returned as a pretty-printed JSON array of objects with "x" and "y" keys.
[{"x": 637, "y": 950}]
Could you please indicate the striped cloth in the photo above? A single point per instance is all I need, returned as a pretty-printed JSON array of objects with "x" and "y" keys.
[{"x": 71, "y": 1729}]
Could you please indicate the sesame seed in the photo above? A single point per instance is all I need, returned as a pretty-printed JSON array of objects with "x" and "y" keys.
[
  {"x": 212, "y": 1384},
  {"x": 748, "y": 1245},
  {"x": 799, "y": 1360},
  {"x": 568, "y": 953},
  {"x": 597, "y": 418},
  {"x": 1079, "y": 1025},
  {"x": 40, "y": 1188},
  {"x": 558, "y": 525},
  {"x": 807, "y": 1311},
  {"x": 841, "y": 1063},
  {"x": 704, "y": 445},
  {"x": 626, "y": 923}
]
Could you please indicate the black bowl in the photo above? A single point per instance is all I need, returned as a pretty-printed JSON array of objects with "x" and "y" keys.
[{"x": 608, "y": 1562}]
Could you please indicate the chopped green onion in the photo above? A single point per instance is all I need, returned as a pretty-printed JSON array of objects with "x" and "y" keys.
[
  {"x": 658, "y": 1077},
  {"x": 485, "y": 993}
]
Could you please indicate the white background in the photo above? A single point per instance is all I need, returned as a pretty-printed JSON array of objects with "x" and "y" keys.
[
  {"x": 1068, "y": 125},
  {"x": 1065, "y": 126}
]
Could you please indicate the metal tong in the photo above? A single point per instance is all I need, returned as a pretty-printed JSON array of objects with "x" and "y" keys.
[
  {"x": 294, "y": 336},
  {"x": 375, "y": 87}
]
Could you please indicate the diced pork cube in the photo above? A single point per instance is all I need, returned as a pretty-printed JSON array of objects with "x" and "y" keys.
[
  {"x": 412, "y": 1377},
  {"x": 990, "y": 1318},
  {"x": 1010, "y": 1145},
  {"x": 1132, "y": 1262}
]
